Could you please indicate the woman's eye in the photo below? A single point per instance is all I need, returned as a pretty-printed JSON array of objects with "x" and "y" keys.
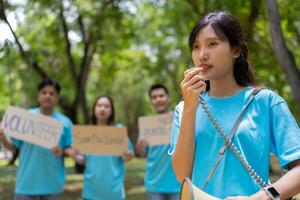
[
  {"x": 195, "y": 46},
  {"x": 212, "y": 44}
]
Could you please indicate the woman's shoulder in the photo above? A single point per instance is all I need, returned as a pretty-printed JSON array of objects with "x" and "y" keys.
[
  {"x": 179, "y": 106},
  {"x": 118, "y": 125},
  {"x": 270, "y": 96}
]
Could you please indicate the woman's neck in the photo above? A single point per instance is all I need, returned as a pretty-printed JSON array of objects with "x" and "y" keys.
[
  {"x": 224, "y": 89},
  {"x": 102, "y": 122}
]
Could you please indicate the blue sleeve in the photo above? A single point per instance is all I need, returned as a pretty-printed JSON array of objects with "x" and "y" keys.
[
  {"x": 66, "y": 138},
  {"x": 119, "y": 125},
  {"x": 17, "y": 143},
  {"x": 130, "y": 146},
  {"x": 285, "y": 134},
  {"x": 175, "y": 128}
]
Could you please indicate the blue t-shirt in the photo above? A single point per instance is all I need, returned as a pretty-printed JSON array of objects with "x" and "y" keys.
[
  {"x": 160, "y": 176},
  {"x": 104, "y": 177},
  {"x": 40, "y": 171},
  {"x": 267, "y": 127}
]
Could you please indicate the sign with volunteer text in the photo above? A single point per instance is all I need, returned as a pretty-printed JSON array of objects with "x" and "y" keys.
[
  {"x": 31, "y": 127},
  {"x": 100, "y": 140},
  {"x": 155, "y": 129}
]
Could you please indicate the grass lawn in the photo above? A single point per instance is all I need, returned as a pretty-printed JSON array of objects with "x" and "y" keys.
[
  {"x": 133, "y": 184},
  {"x": 134, "y": 181}
]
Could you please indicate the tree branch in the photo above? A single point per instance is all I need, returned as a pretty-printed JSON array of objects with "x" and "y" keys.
[
  {"x": 254, "y": 11},
  {"x": 81, "y": 26},
  {"x": 23, "y": 53},
  {"x": 297, "y": 34},
  {"x": 72, "y": 65},
  {"x": 194, "y": 6}
]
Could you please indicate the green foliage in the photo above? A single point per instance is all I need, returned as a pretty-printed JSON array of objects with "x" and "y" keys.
[{"x": 137, "y": 44}]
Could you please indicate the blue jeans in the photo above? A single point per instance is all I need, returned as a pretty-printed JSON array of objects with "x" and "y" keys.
[
  {"x": 162, "y": 196},
  {"x": 37, "y": 197}
]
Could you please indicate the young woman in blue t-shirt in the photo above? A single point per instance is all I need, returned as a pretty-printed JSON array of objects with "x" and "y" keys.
[
  {"x": 224, "y": 79},
  {"x": 104, "y": 175}
]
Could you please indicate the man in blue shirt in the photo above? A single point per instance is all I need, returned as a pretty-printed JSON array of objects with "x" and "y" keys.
[
  {"x": 160, "y": 181},
  {"x": 41, "y": 172}
]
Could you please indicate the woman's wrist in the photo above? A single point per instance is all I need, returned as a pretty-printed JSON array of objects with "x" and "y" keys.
[
  {"x": 190, "y": 109},
  {"x": 261, "y": 195}
]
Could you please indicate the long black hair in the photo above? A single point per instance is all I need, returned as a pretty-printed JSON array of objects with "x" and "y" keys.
[
  {"x": 228, "y": 27},
  {"x": 111, "y": 118}
]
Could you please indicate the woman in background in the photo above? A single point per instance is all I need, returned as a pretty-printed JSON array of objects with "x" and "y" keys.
[{"x": 104, "y": 175}]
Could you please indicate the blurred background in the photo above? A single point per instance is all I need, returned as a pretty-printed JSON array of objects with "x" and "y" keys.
[{"x": 121, "y": 47}]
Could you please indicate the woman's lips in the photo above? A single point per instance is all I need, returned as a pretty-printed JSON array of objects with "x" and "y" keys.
[{"x": 204, "y": 68}]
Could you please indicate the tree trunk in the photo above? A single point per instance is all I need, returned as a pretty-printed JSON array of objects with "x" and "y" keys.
[
  {"x": 254, "y": 11},
  {"x": 284, "y": 56}
]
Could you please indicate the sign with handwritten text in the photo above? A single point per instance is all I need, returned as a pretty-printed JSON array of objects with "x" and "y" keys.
[
  {"x": 31, "y": 127},
  {"x": 156, "y": 129},
  {"x": 102, "y": 140}
]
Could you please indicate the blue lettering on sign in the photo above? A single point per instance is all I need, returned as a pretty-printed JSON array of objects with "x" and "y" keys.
[
  {"x": 14, "y": 123},
  {"x": 149, "y": 132},
  {"x": 19, "y": 124},
  {"x": 98, "y": 139}
]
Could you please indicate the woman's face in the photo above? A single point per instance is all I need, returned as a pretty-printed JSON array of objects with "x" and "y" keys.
[
  {"x": 213, "y": 55},
  {"x": 103, "y": 109}
]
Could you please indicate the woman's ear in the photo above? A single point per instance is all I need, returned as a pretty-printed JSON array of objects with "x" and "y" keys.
[{"x": 236, "y": 52}]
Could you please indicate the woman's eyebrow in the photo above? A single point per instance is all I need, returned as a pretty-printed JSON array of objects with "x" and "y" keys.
[{"x": 210, "y": 38}]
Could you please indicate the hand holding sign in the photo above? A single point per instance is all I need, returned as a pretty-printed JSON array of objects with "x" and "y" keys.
[
  {"x": 57, "y": 151},
  {"x": 2, "y": 136},
  {"x": 33, "y": 128},
  {"x": 127, "y": 156},
  {"x": 156, "y": 129},
  {"x": 141, "y": 145},
  {"x": 72, "y": 152}
]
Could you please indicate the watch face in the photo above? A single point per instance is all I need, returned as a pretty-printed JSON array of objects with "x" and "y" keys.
[{"x": 273, "y": 191}]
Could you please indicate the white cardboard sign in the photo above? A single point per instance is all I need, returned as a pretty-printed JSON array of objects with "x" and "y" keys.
[
  {"x": 100, "y": 140},
  {"x": 31, "y": 127},
  {"x": 156, "y": 129}
]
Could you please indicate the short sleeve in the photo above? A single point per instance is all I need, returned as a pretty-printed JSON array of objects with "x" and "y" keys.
[
  {"x": 16, "y": 142},
  {"x": 67, "y": 134},
  {"x": 285, "y": 138},
  {"x": 130, "y": 146},
  {"x": 175, "y": 127}
]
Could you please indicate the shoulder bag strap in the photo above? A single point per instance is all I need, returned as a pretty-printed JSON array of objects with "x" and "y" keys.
[{"x": 231, "y": 134}]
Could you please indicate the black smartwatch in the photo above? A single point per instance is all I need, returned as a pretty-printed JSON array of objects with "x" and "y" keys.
[{"x": 272, "y": 192}]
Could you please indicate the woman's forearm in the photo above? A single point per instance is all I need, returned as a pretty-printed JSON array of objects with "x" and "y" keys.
[
  {"x": 183, "y": 156},
  {"x": 289, "y": 184}
]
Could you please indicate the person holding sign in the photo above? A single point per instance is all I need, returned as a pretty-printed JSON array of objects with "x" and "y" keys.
[
  {"x": 41, "y": 172},
  {"x": 160, "y": 181},
  {"x": 219, "y": 137},
  {"x": 104, "y": 175}
]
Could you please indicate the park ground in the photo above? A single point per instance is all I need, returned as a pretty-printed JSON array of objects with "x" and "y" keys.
[{"x": 134, "y": 180}]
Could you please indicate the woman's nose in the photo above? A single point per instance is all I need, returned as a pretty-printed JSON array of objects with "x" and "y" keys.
[{"x": 203, "y": 54}]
